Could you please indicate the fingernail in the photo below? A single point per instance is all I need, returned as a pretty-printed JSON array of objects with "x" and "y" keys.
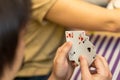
[
  {"x": 70, "y": 43},
  {"x": 81, "y": 56}
]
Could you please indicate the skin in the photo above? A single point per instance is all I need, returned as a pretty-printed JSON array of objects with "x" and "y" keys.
[
  {"x": 75, "y": 14},
  {"x": 63, "y": 68},
  {"x": 102, "y": 71},
  {"x": 78, "y": 14}
]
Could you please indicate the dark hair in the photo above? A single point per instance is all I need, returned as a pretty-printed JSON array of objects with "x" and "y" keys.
[{"x": 13, "y": 17}]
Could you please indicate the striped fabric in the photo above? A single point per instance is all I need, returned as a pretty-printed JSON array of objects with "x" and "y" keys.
[{"x": 109, "y": 47}]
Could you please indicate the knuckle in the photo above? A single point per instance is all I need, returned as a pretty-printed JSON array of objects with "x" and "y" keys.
[
  {"x": 110, "y": 75},
  {"x": 59, "y": 49},
  {"x": 63, "y": 50},
  {"x": 57, "y": 61},
  {"x": 107, "y": 74}
]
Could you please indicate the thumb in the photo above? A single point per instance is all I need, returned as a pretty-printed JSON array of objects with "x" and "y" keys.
[{"x": 85, "y": 73}]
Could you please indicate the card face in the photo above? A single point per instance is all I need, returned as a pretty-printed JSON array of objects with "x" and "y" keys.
[
  {"x": 90, "y": 51},
  {"x": 76, "y": 38},
  {"x": 81, "y": 46}
]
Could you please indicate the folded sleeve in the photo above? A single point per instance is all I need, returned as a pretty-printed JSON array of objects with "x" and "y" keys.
[{"x": 40, "y": 8}]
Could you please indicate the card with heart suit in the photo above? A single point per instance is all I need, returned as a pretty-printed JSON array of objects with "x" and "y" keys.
[{"x": 81, "y": 46}]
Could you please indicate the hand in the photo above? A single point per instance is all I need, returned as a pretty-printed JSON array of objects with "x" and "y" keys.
[
  {"x": 102, "y": 71},
  {"x": 62, "y": 69}
]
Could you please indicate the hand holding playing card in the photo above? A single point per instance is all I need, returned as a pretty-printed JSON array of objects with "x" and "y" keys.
[
  {"x": 101, "y": 69},
  {"x": 81, "y": 46}
]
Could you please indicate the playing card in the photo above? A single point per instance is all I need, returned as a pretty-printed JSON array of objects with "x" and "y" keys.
[
  {"x": 90, "y": 51},
  {"x": 81, "y": 46},
  {"x": 76, "y": 37}
]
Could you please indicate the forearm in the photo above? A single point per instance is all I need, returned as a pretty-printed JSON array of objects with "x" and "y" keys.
[{"x": 82, "y": 15}]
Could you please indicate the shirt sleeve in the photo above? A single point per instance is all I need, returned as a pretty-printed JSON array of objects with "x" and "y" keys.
[{"x": 40, "y": 8}]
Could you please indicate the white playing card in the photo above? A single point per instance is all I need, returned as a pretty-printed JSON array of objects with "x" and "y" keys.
[
  {"x": 76, "y": 37},
  {"x": 90, "y": 51},
  {"x": 81, "y": 46}
]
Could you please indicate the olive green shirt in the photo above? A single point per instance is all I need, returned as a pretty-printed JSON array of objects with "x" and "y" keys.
[{"x": 41, "y": 40}]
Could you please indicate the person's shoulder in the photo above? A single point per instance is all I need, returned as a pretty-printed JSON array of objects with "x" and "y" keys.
[
  {"x": 40, "y": 8},
  {"x": 38, "y": 3}
]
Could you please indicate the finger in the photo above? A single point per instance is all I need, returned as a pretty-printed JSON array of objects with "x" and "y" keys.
[
  {"x": 59, "y": 51},
  {"x": 108, "y": 72},
  {"x": 84, "y": 67},
  {"x": 99, "y": 65},
  {"x": 60, "y": 48},
  {"x": 104, "y": 61},
  {"x": 63, "y": 50}
]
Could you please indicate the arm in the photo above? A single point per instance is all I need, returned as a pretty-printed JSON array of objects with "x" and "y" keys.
[{"x": 82, "y": 15}]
